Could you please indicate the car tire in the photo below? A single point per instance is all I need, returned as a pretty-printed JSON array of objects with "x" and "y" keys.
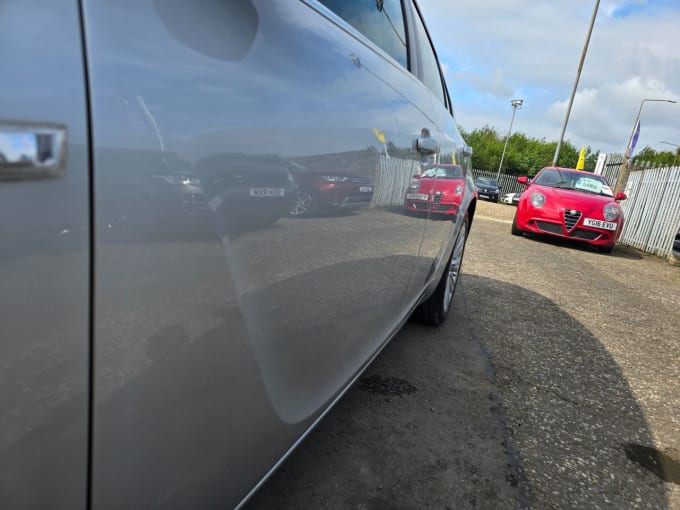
[
  {"x": 436, "y": 308},
  {"x": 306, "y": 204},
  {"x": 606, "y": 249},
  {"x": 515, "y": 230}
]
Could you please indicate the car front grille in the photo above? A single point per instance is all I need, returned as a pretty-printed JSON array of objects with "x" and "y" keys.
[
  {"x": 571, "y": 218},
  {"x": 589, "y": 235},
  {"x": 553, "y": 228}
]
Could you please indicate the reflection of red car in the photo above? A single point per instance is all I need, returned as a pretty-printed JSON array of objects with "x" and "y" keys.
[
  {"x": 571, "y": 204},
  {"x": 438, "y": 190},
  {"x": 330, "y": 190}
]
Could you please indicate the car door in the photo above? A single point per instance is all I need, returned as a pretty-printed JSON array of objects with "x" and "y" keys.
[
  {"x": 44, "y": 257},
  {"x": 441, "y": 230},
  {"x": 226, "y": 324}
]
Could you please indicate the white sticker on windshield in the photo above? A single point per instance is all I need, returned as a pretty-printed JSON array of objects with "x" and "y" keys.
[{"x": 588, "y": 184}]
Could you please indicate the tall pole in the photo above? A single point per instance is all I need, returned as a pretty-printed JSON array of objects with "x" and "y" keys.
[
  {"x": 622, "y": 178},
  {"x": 516, "y": 103},
  {"x": 578, "y": 77}
]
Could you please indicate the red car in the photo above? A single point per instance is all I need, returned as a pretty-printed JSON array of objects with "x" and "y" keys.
[
  {"x": 438, "y": 190},
  {"x": 571, "y": 204},
  {"x": 329, "y": 191}
]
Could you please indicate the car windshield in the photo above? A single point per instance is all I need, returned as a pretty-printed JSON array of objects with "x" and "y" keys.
[
  {"x": 574, "y": 180},
  {"x": 483, "y": 181},
  {"x": 444, "y": 172}
]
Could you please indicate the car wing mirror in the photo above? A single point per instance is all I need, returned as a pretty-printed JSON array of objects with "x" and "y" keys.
[
  {"x": 523, "y": 179},
  {"x": 620, "y": 196}
]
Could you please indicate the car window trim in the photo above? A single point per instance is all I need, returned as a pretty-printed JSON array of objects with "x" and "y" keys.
[
  {"x": 415, "y": 15},
  {"x": 343, "y": 24}
]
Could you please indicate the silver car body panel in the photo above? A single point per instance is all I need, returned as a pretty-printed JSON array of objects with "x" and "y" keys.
[
  {"x": 44, "y": 257},
  {"x": 223, "y": 326}
]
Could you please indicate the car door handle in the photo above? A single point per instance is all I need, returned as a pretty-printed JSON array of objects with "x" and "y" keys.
[
  {"x": 31, "y": 151},
  {"x": 425, "y": 144}
]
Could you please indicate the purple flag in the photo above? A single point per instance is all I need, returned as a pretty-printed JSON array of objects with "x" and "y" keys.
[{"x": 634, "y": 140}]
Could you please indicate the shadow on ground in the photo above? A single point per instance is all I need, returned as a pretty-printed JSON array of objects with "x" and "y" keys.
[
  {"x": 422, "y": 428},
  {"x": 571, "y": 412},
  {"x": 620, "y": 251}
]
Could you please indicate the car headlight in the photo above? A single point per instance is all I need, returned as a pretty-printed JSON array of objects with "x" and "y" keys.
[
  {"x": 459, "y": 190},
  {"x": 334, "y": 178},
  {"x": 537, "y": 199},
  {"x": 610, "y": 212}
]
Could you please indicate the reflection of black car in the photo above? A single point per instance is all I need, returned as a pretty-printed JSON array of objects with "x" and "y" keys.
[
  {"x": 487, "y": 189},
  {"x": 676, "y": 245},
  {"x": 246, "y": 193}
]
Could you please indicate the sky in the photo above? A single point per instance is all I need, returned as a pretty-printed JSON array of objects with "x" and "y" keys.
[{"x": 493, "y": 51}]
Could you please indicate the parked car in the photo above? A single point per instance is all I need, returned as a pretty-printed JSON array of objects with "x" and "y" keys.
[
  {"x": 571, "y": 204},
  {"x": 324, "y": 191},
  {"x": 178, "y": 370},
  {"x": 439, "y": 190},
  {"x": 511, "y": 198},
  {"x": 487, "y": 189},
  {"x": 676, "y": 245}
]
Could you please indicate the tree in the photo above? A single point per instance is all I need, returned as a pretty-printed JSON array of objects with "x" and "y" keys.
[
  {"x": 524, "y": 155},
  {"x": 649, "y": 155}
]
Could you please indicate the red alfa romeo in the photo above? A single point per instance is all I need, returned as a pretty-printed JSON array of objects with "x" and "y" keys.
[
  {"x": 438, "y": 190},
  {"x": 571, "y": 204}
]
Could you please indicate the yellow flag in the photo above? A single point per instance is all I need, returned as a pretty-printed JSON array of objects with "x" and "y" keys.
[
  {"x": 581, "y": 159},
  {"x": 379, "y": 135}
]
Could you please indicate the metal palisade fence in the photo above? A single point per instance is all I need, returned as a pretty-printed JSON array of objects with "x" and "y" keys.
[
  {"x": 652, "y": 210},
  {"x": 393, "y": 177}
]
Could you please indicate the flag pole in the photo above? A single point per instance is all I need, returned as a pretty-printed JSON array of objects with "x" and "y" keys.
[{"x": 622, "y": 177}]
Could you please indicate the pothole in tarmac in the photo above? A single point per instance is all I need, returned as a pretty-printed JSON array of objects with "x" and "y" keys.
[
  {"x": 664, "y": 465},
  {"x": 387, "y": 386}
]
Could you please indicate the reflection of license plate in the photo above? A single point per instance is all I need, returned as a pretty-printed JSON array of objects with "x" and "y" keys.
[
  {"x": 417, "y": 196},
  {"x": 365, "y": 189},
  {"x": 267, "y": 192},
  {"x": 607, "y": 225},
  {"x": 484, "y": 196}
]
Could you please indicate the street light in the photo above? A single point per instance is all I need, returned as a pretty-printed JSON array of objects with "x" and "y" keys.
[
  {"x": 578, "y": 77},
  {"x": 623, "y": 173},
  {"x": 516, "y": 103},
  {"x": 677, "y": 151}
]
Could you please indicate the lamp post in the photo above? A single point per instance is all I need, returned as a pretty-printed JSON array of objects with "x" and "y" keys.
[
  {"x": 516, "y": 103},
  {"x": 677, "y": 150},
  {"x": 578, "y": 77},
  {"x": 623, "y": 172}
]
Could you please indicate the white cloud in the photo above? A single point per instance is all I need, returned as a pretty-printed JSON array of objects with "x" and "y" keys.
[{"x": 510, "y": 48}]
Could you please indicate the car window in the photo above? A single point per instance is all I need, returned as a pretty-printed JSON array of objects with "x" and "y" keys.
[
  {"x": 382, "y": 21},
  {"x": 578, "y": 181},
  {"x": 444, "y": 172},
  {"x": 429, "y": 67}
]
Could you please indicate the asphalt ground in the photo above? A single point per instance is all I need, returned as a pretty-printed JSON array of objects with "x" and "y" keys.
[{"x": 555, "y": 383}]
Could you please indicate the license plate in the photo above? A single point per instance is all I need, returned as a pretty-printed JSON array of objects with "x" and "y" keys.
[
  {"x": 365, "y": 189},
  {"x": 417, "y": 196},
  {"x": 484, "y": 196},
  {"x": 267, "y": 192},
  {"x": 606, "y": 225}
]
